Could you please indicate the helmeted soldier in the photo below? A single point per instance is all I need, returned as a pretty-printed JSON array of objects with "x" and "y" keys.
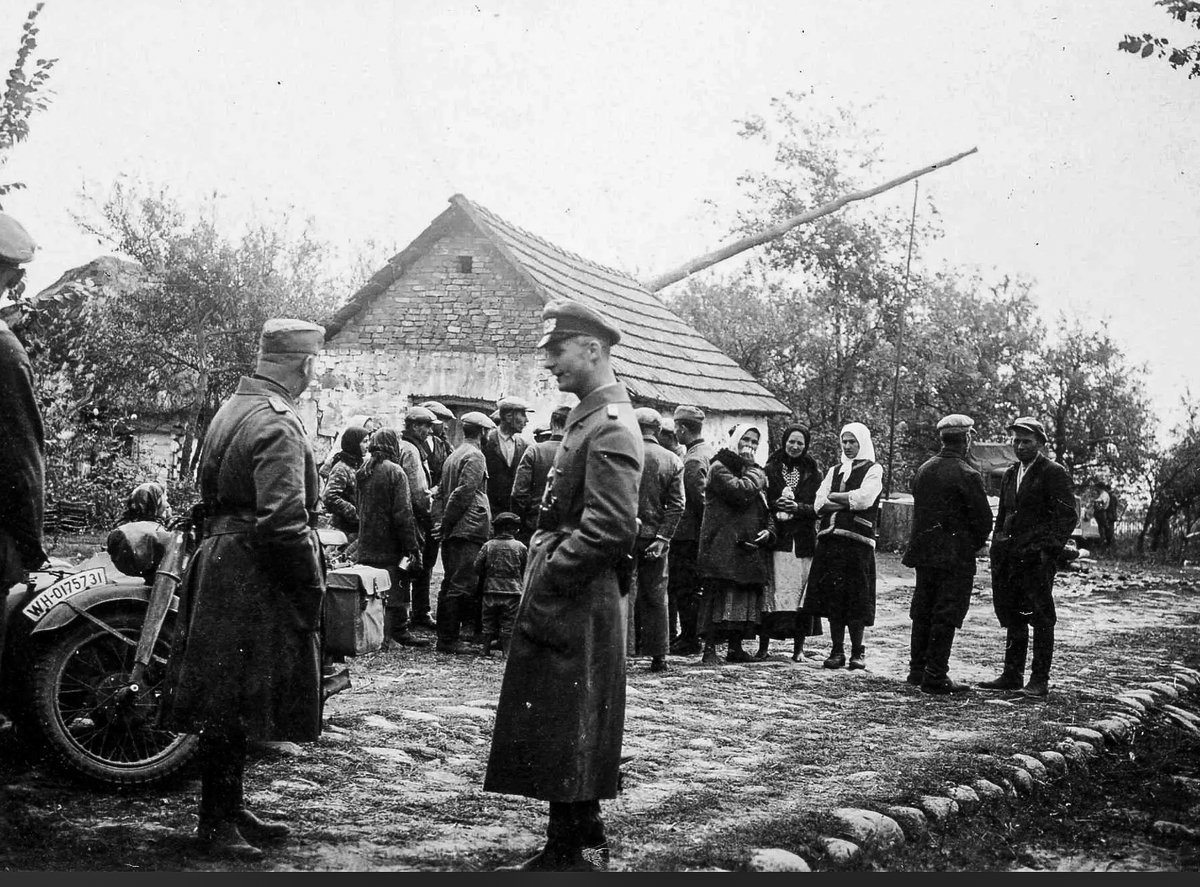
[
  {"x": 561, "y": 715},
  {"x": 245, "y": 663}
]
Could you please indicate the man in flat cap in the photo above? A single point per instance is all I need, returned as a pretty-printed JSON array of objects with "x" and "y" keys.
[
  {"x": 1036, "y": 518},
  {"x": 951, "y": 522},
  {"x": 245, "y": 661},
  {"x": 660, "y": 506},
  {"x": 437, "y": 449},
  {"x": 561, "y": 715},
  {"x": 463, "y": 522},
  {"x": 668, "y": 438},
  {"x": 503, "y": 448},
  {"x": 407, "y": 610},
  {"x": 683, "y": 579}
]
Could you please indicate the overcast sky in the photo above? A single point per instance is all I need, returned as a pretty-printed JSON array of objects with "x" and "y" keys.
[{"x": 606, "y": 126}]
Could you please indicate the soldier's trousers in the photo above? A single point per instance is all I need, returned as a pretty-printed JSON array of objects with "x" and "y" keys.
[
  {"x": 222, "y": 753},
  {"x": 458, "y": 597},
  {"x": 683, "y": 591},
  {"x": 648, "y": 626}
]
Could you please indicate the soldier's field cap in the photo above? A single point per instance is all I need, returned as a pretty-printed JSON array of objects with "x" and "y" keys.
[
  {"x": 687, "y": 411},
  {"x": 506, "y": 517},
  {"x": 955, "y": 423},
  {"x": 511, "y": 403},
  {"x": 286, "y": 335},
  {"x": 419, "y": 414},
  {"x": 440, "y": 411},
  {"x": 476, "y": 418},
  {"x": 1030, "y": 424},
  {"x": 563, "y": 318},
  {"x": 648, "y": 417}
]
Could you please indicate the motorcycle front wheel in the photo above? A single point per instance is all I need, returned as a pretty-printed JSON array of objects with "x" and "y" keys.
[{"x": 88, "y": 724}]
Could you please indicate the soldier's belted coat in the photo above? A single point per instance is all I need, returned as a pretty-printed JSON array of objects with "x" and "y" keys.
[
  {"x": 246, "y": 649},
  {"x": 561, "y": 714}
]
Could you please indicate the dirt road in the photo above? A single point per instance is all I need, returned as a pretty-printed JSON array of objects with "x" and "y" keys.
[{"x": 723, "y": 759}]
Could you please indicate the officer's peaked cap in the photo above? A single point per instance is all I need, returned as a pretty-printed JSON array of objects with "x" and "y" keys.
[{"x": 563, "y": 318}]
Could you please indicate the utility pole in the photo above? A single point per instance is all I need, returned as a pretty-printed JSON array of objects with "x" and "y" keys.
[{"x": 912, "y": 226}]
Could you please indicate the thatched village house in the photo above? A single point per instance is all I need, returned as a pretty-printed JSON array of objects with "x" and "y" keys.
[{"x": 456, "y": 317}]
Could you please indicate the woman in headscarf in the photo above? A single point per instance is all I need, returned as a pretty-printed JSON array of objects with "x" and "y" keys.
[
  {"x": 793, "y": 479},
  {"x": 387, "y": 530},
  {"x": 148, "y": 501},
  {"x": 370, "y": 423},
  {"x": 841, "y": 584},
  {"x": 341, "y": 490},
  {"x": 735, "y": 534}
]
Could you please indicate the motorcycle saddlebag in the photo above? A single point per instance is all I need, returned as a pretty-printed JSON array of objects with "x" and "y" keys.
[{"x": 353, "y": 618}]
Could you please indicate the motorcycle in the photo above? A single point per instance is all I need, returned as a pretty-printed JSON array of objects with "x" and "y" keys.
[{"x": 85, "y": 663}]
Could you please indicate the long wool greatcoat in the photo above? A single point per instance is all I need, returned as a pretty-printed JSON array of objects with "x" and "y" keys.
[
  {"x": 247, "y": 650},
  {"x": 1032, "y": 526},
  {"x": 561, "y": 714}
]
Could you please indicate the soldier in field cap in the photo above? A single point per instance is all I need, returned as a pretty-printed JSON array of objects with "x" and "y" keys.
[
  {"x": 245, "y": 662},
  {"x": 561, "y": 714},
  {"x": 951, "y": 521}
]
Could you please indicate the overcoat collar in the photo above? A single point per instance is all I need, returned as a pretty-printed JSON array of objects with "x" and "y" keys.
[{"x": 598, "y": 397}]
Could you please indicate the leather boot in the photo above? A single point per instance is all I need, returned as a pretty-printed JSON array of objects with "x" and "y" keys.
[
  {"x": 837, "y": 654},
  {"x": 1016, "y": 646},
  {"x": 917, "y": 648},
  {"x": 937, "y": 654},
  {"x": 1039, "y": 671},
  {"x": 557, "y": 855},
  {"x": 256, "y": 829}
]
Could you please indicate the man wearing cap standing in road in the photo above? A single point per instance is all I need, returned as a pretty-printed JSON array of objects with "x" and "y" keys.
[
  {"x": 660, "y": 506},
  {"x": 503, "y": 447},
  {"x": 463, "y": 522},
  {"x": 1035, "y": 520},
  {"x": 245, "y": 660},
  {"x": 561, "y": 715},
  {"x": 530, "y": 481},
  {"x": 683, "y": 580},
  {"x": 951, "y": 522},
  {"x": 436, "y": 450}
]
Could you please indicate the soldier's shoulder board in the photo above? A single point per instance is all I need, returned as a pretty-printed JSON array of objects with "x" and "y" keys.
[
  {"x": 613, "y": 411},
  {"x": 278, "y": 404}
]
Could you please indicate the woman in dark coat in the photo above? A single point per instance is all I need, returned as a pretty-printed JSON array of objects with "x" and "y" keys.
[
  {"x": 341, "y": 489},
  {"x": 387, "y": 528},
  {"x": 793, "y": 478},
  {"x": 841, "y": 584},
  {"x": 735, "y": 536}
]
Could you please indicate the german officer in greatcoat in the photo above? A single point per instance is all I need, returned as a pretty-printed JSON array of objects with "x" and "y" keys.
[
  {"x": 561, "y": 714},
  {"x": 245, "y": 664}
]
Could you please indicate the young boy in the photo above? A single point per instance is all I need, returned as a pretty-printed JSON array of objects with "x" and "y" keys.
[{"x": 501, "y": 568}]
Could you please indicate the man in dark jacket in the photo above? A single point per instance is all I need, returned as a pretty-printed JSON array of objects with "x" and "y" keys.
[
  {"x": 530, "y": 480},
  {"x": 245, "y": 662},
  {"x": 561, "y": 715},
  {"x": 660, "y": 506},
  {"x": 951, "y": 522},
  {"x": 1036, "y": 518},
  {"x": 683, "y": 580},
  {"x": 22, "y": 473},
  {"x": 437, "y": 450},
  {"x": 503, "y": 447},
  {"x": 463, "y": 521}
]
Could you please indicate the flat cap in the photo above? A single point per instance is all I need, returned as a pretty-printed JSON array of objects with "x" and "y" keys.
[
  {"x": 476, "y": 418},
  {"x": 511, "y": 403},
  {"x": 1030, "y": 424},
  {"x": 419, "y": 414},
  {"x": 668, "y": 425},
  {"x": 286, "y": 335},
  {"x": 440, "y": 411},
  {"x": 648, "y": 417},
  {"x": 955, "y": 423},
  {"x": 563, "y": 318},
  {"x": 687, "y": 411},
  {"x": 16, "y": 246},
  {"x": 506, "y": 517}
]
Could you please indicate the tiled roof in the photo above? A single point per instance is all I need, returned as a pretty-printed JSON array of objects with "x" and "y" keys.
[{"x": 660, "y": 358}]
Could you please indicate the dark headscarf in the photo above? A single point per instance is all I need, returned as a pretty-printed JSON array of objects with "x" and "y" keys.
[
  {"x": 781, "y": 456},
  {"x": 351, "y": 451},
  {"x": 384, "y": 447},
  {"x": 145, "y": 503}
]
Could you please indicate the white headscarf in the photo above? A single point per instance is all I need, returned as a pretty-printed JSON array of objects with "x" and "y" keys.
[
  {"x": 866, "y": 449},
  {"x": 739, "y": 431}
]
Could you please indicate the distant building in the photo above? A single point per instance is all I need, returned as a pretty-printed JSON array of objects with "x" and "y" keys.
[{"x": 456, "y": 317}]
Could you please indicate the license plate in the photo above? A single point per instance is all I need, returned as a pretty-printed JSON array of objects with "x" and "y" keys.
[{"x": 63, "y": 589}]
